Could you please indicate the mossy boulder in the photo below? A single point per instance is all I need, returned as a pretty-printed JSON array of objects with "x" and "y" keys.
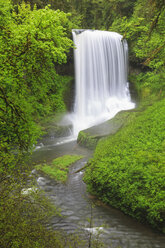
[
  {"x": 58, "y": 169},
  {"x": 87, "y": 140},
  {"x": 54, "y": 130},
  {"x": 52, "y": 127},
  {"x": 89, "y": 137}
]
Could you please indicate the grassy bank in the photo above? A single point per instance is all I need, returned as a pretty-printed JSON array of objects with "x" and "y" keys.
[
  {"x": 128, "y": 168},
  {"x": 59, "y": 167}
]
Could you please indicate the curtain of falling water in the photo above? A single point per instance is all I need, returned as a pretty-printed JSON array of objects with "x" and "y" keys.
[{"x": 101, "y": 77}]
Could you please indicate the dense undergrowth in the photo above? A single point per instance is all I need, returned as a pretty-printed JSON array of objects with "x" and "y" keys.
[{"x": 128, "y": 168}]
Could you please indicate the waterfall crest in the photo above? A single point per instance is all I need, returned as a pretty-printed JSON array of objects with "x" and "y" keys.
[{"x": 101, "y": 65}]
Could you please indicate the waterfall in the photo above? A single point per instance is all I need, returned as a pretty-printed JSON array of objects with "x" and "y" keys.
[{"x": 101, "y": 66}]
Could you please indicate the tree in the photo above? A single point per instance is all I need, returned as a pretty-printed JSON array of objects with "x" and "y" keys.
[
  {"x": 32, "y": 42},
  {"x": 145, "y": 33}
]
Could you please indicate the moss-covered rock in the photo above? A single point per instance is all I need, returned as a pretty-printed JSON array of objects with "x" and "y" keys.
[
  {"x": 58, "y": 169},
  {"x": 89, "y": 137},
  {"x": 87, "y": 140},
  {"x": 52, "y": 127},
  {"x": 55, "y": 130}
]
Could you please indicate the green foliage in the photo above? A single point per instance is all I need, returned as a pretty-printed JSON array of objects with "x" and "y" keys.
[
  {"x": 32, "y": 43},
  {"x": 150, "y": 83},
  {"x": 22, "y": 215},
  {"x": 25, "y": 213},
  {"x": 87, "y": 140},
  {"x": 62, "y": 5},
  {"x": 145, "y": 33},
  {"x": 128, "y": 169},
  {"x": 89, "y": 13},
  {"x": 59, "y": 167}
]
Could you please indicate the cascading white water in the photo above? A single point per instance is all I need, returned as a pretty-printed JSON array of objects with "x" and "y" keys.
[{"x": 101, "y": 77}]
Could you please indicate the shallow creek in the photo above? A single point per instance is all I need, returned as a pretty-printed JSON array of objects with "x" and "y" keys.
[{"x": 116, "y": 229}]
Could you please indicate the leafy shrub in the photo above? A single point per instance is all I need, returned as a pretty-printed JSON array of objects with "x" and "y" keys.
[{"x": 128, "y": 169}]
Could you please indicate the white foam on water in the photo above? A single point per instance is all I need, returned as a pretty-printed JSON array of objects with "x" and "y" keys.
[{"x": 94, "y": 230}]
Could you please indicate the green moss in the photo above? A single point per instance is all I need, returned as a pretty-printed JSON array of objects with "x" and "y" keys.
[
  {"x": 50, "y": 126},
  {"x": 87, "y": 140},
  {"x": 59, "y": 167},
  {"x": 128, "y": 168}
]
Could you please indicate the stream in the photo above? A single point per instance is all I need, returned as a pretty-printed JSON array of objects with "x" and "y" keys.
[{"x": 77, "y": 206}]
